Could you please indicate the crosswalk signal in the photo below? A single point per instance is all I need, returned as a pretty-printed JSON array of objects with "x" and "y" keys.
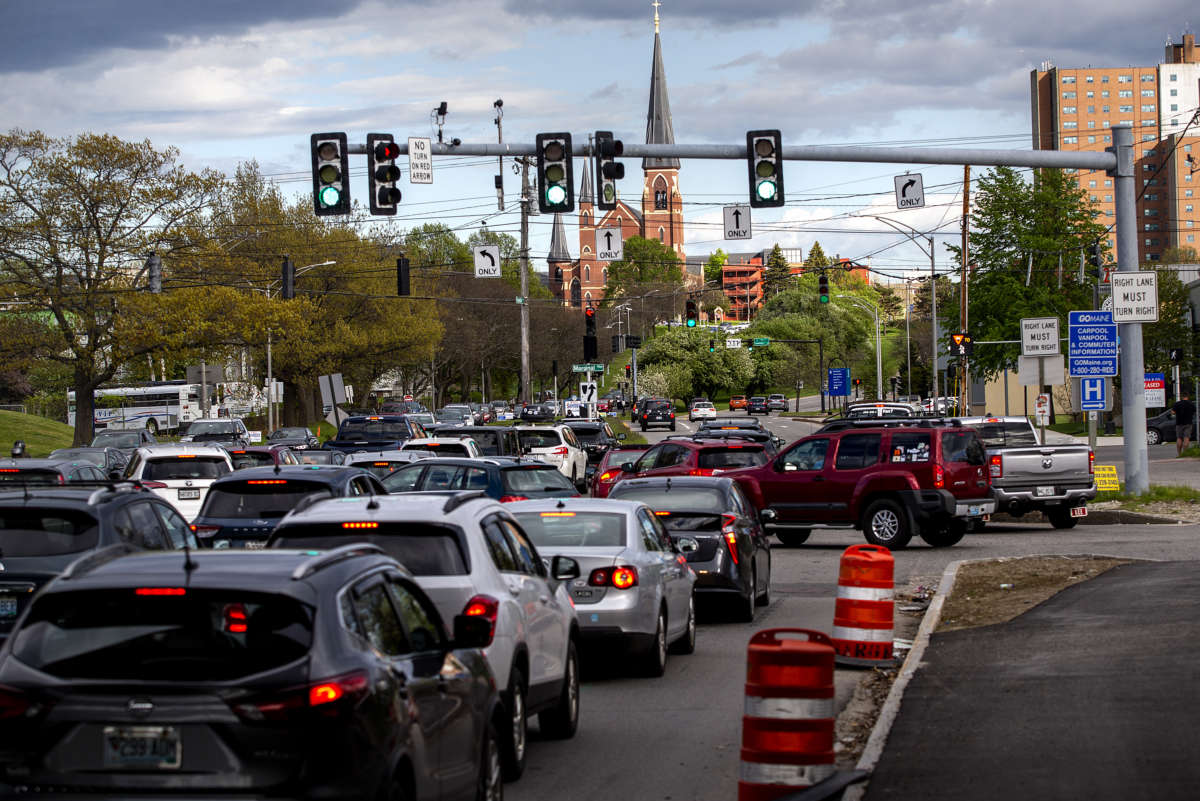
[
  {"x": 608, "y": 170},
  {"x": 962, "y": 342},
  {"x": 692, "y": 315},
  {"x": 383, "y": 173},
  {"x": 823, "y": 288},
  {"x": 555, "y": 174},
  {"x": 331, "y": 174},
  {"x": 764, "y": 159},
  {"x": 402, "y": 276}
]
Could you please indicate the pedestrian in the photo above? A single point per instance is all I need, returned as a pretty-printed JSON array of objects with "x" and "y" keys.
[{"x": 1184, "y": 412}]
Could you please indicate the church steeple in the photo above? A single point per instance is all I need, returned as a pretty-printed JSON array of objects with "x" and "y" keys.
[
  {"x": 658, "y": 117},
  {"x": 585, "y": 186},
  {"x": 558, "y": 243}
]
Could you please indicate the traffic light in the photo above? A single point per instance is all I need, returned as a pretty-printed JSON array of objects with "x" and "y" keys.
[
  {"x": 590, "y": 345},
  {"x": 608, "y": 171},
  {"x": 402, "y": 287},
  {"x": 287, "y": 280},
  {"x": 692, "y": 315},
  {"x": 331, "y": 174},
  {"x": 1096, "y": 254},
  {"x": 555, "y": 174},
  {"x": 383, "y": 173},
  {"x": 589, "y": 321},
  {"x": 823, "y": 288},
  {"x": 764, "y": 160},
  {"x": 616, "y": 343},
  {"x": 629, "y": 371},
  {"x": 712, "y": 346}
]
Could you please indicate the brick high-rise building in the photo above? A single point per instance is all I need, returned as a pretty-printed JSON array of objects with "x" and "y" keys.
[{"x": 1074, "y": 108}]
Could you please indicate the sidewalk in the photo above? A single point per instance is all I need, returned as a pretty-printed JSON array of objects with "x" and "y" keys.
[{"x": 1091, "y": 694}]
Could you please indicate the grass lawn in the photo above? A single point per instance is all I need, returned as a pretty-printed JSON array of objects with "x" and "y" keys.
[
  {"x": 41, "y": 435},
  {"x": 1155, "y": 494}
]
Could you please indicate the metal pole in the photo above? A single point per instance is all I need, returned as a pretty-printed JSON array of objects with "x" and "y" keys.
[
  {"x": 907, "y": 339},
  {"x": 1133, "y": 403},
  {"x": 879, "y": 395},
  {"x": 933, "y": 326},
  {"x": 270, "y": 389},
  {"x": 525, "y": 200},
  {"x": 821, "y": 368},
  {"x": 203, "y": 389}
]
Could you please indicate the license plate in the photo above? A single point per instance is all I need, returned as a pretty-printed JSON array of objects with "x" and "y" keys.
[
  {"x": 1078, "y": 511},
  {"x": 189, "y": 495},
  {"x": 8, "y": 606},
  {"x": 1044, "y": 491},
  {"x": 974, "y": 511},
  {"x": 141, "y": 747},
  {"x": 582, "y": 593}
]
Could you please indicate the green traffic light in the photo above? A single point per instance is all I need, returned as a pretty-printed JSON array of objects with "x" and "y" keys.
[
  {"x": 691, "y": 323},
  {"x": 556, "y": 195},
  {"x": 824, "y": 298},
  {"x": 610, "y": 193},
  {"x": 766, "y": 190},
  {"x": 330, "y": 196}
]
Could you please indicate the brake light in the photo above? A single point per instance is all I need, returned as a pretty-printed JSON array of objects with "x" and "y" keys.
[
  {"x": 206, "y": 532},
  {"x": 939, "y": 477},
  {"x": 731, "y": 541},
  {"x": 996, "y": 466},
  {"x": 662, "y": 514},
  {"x": 379, "y": 464},
  {"x": 185, "y": 456},
  {"x": 510, "y": 498},
  {"x": 1091, "y": 463},
  {"x": 267, "y": 481},
  {"x": 607, "y": 474},
  {"x": 672, "y": 415},
  {"x": 361, "y": 524},
  {"x": 160, "y": 591},
  {"x": 560, "y": 450},
  {"x": 153, "y": 485},
  {"x": 703, "y": 471},
  {"x": 283, "y": 706},
  {"x": 486, "y": 607},
  {"x": 236, "y": 452},
  {"x": 622, "y": 577},
  {"x": 558, "y": 514},
  {"x": 9, "y": 470},
  {"x": 235, "y": 618}
]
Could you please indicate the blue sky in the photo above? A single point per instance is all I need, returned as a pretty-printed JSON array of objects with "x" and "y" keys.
[{"x": 230, "y": 81}]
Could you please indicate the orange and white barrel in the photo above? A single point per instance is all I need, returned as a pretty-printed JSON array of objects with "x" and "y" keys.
[{"x": 863, "y": 617}]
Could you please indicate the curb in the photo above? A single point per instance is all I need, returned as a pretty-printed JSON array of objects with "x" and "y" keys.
[{"x": 1104, "y": 517}]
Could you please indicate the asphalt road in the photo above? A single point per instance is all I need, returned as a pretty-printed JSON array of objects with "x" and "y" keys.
[{"x": 678, "y": 737}]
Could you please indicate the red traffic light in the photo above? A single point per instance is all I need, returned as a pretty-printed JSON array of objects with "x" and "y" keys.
[
  {"x": 589, "y": 312},
  {"x": 386, "y": 151}
]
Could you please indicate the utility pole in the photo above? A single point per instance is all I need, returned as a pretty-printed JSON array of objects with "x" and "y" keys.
[
  {"x": 964, "y": 368},
  {"x": 933, "y": 324},
  {"x": 525, "y": 200}
]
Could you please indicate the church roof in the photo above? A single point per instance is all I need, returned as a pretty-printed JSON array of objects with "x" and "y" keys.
[
  {"x": 558, "y": 243},
  {"x": 658, "y": 117},
  {"x": 585, "y": 186}
]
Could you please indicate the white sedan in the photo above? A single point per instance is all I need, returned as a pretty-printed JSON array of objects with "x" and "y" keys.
[{"x": 702, "y": 410}]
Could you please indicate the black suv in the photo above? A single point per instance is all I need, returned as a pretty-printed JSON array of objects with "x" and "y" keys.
[
  {"x": 270, "y": 673},
  {"x": 375, "y": 432},
  {"x": 492, "y": 440},
  {"x": 242, "y": 508},
  {"x": 44, "y": 529},
  {"x": 501, "y": 478},
  {"x": 656, "y": 412},
  {"x": 126, "y": 440},
  {"x": 49, "y": 471},
  {"x": 111, "y": 461}
]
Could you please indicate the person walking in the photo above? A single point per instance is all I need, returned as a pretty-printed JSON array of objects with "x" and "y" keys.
[{"x": 1184, "y": 412}]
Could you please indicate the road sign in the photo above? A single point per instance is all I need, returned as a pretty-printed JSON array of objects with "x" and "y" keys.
[
  {"x": 910, "y": 191},
  {"x": 420, "y": 160},
  {"x": 737, "y": 222},
  {"x": 1156, "y": 390},
  {"x": 633, "y": 340},
  {"x": 1135, "y": 297},
  {"x": 1041, "y": 410},
  {"x": 1106, "y": 478},
  {"x": 487, "y": 261},
  {"x": 587, "y": 391},
  {"x": 839, "y": 382},
  {"x": 1039, "y": 336},
  {"x": 587, "y": 368},
  {"x": 609, "y": 244},
  {"x": 1093, "y": 394},
  {"x": 761, "y": 342},
  {"x": 1028, "y": 372},
  {"x": 1092, "y": 337},
  {"x": 733, "y": 344}
]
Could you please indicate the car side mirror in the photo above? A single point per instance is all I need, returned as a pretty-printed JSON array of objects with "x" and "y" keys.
[
  {"x": 627, "y": 467},
  {"x": 787, "y": 467},
  {"x": 620, "y": 436},
  {"x": 472, "y": 631},
  {"x": 768, "y": 516},
  {"x": 564, "y": 568}
]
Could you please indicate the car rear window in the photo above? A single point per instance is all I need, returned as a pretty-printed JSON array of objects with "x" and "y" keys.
[
  {"x": 115, "y": 440},
  {"x": 426, "y": 549},
  {"x": 380, "y": 468},
  {"x": 710, "y": 500},
  {"x": 317, "y": 457},
  {"x": 16, "y": 475},
  {"x": 248, "y": 459},
  {"x": 522, "y": 480},
  {"x": 540, "y": 439},
  {"x": 1007, "y": 435},
  {"x": 157, "y": 632},
  {"x": 588, "y": 435},
  {"x": 373, "y": 429},
  {"x": 731, "y": 456},
  {"x": 962, "y": 446},
  {"x": 46, "y": 532},
  {"x": 910, "y": 447},
  {"x": 560, "y": 529},
  {"x": 259, "y": 498},
  {"x": 175, "y": 467},
  {"x": 441, "y": 448},
  {"x": 488, "y": 442}
]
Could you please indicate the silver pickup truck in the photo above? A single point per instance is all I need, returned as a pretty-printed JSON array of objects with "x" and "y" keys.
[{"x": 1030, "y": 477}]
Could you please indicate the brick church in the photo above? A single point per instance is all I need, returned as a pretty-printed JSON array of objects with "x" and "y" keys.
[{"x": 659, "y": 212}]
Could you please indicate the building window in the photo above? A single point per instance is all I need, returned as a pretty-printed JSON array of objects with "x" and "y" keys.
[
  {"x": 1147, "y": 93},
  {"x": 583, "y": 219},
  {"x": 1094, "y": 199},
  {"x": 1107, "y": 199},
  {"x": 588, "y": 297},
  {"x": 1104, "y": 93},
  {"x": 1148, "y": 137},
  {"x": 1068, "y": 109},
  {"x": 1124, "y": 79},
  {"x": 1187, "y": 192},
  {"x": 587, "y": 274},
  {"x": 1174, "y": 93},
  {"x": 1104, "y": 79},
  {"x": 1105, "y": 110},
  {"x": 1090, "y": 79},
  {"x": 1068, "y": 95},
  {"x": 1091, "y": 93},
  {"x": 576, "y": 298},
  {"x": 662, "y": 234},
  {"x": 1091, "y": 110},
  {"x": 1091, "y": 140},
  {"x": 1070, "y": 140},
  {"x": 660, "y": 199},
  {"x": 1091, "y": 123},
  {"x": 558, "y": 274},
  {"x": 1068, "y": 79},
  {"x": 1187, "y": 148},
  {"x": 1125, "y": 109},
  {"x": 1174, "y": 107},
  {"x": 1070, "y": 124},
  {"x": 1174, "y": 77},
  {"x": 1147, "y": 168},
  {"x": 1107, "y": 181},
  {"x": 1149, "y": 124},
  {"x": 1191, "y": 237},
  {"x": 1107, "y": 137},
  {"x": 1188, "y": 207},
  {"x": 1146, "y": 109},
  {"x": 1125, "y": 93},
  {"x": 1152, "y": 257},
  {"x": 1091, "y": 184},
  {"x": 1147, "y": 77},
  {"x": 1147, "y": 242}
]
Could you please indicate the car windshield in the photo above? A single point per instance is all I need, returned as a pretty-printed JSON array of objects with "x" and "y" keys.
[
  {"x": 424, "y": 418},
  {"x": 117, "y": 439},
  {"x": 373, "y": 429},
  {"x": 251, "y": 459},
  {"x": 451, "y": 416},
  {"x": 731, "y": 456},
  {"x": 706, "y": 500},
  {"x": 160, "y": 633},
  {"x": 211, "y": 427},
  {"x": 16, "y": 475},
  {"x": 29, "y": 531},
  {"x": 95, "y": 457},
  {"x": 426, "y": 549},
  {"x": 290, "y": 433},
  {"x": 259, "y": 498},
  {"x": 539, "y": 439},
  {"x": 1007, "y": 435},
  {"x": 523, "y": 480},
  {"x": 559, "y": 529},
  {"x": 169, "y": 468},
  {"x": 588, "y": 435}
]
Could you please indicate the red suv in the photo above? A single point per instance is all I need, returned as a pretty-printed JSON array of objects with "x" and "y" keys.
[
  {"x": 694, "y": 457},
  {"x": 890, "y": 482}
]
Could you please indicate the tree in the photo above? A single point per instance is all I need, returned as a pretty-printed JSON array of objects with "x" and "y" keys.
[
  {"x": 712, "y": 268},
  {"x": 816, "y": 256},
  {"x": 778, "y": 273},
  {"x": 647, "y": 261}
]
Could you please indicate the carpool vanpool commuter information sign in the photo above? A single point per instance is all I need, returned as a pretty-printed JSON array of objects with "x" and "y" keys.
[{"x": 1092, "y": 337}]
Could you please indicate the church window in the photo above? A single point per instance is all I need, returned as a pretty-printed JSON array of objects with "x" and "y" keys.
[
  {"x": 575, "y": 297},
  {"x": 604, "y": 275},
  {"x": 662, "y": 234},
  {"x": 660, "y": 199},
  {"x": 587, "y": 274}
]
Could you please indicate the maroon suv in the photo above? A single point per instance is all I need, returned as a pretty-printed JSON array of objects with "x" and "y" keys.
[{"x": 890, "y": 482}]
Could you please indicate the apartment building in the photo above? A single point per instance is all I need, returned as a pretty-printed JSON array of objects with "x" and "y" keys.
[{"x": 1074, "y": 108}]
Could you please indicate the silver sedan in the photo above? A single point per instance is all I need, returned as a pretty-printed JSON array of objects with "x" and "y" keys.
[{"x": 635, "y": 585}]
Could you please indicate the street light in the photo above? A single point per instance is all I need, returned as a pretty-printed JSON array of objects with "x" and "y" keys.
[
  {"x": 863, "y": 303},
  {"x": 270, "y": 372}
]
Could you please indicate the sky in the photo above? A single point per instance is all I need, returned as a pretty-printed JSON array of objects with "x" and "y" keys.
[{"x": 227, "y": 82}]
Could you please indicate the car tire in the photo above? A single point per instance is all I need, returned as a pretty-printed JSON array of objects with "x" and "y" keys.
[
  {"x": 946, "y": 536},
  {"x": 654, "y": 658},
  {"x": 513, "y": 743},
  {"x": 745, "y": 606},
  {"x": 765, "y": 598},
  {"x": 886, "y": 523},
  {"x": 793, "y": 537},
  {"x": 687, "y": 643},
  {"x": 672, "y": 426},
  {"x": 1153, "y": 436},
  {"x": 560, "y": 721},
  {"x": 1061, "y": 518},
  {"x": 490, "y": 786}
]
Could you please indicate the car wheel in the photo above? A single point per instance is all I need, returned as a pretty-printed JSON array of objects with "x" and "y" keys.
[
  {"x": 1153, "y": 436},
  {"x": 765, "y": 598},
  {"x": 491, "y": 778},
  {"x": 794, "y": 536},
  {"x": 654, "y": 659},
  {"x": 561, "y": 720},
  {"x": 949, "y": 535},
  {"x": 886, "y": 524},
  {"x": 745, "y": 606},
  {"x": 1061, "y": 517},
  {"x": 512, "y": 752},
  {"x": 687, "y": 643}
]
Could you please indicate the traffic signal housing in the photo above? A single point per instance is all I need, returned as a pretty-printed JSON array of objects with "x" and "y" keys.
[
  {"x": 383, "y": 173},
  {"x": 692, "y": 315},
  {"x": 764, "y": 160},
  {"x": 629, "y": 371},
  {"x": 712, "y": 346},
  {"x": 590, "y": 345},
  {"x": 287, "y": 280},
  {"x": 608, "y": 170},
  {"x": 402, "y": 276},
  {"x": 331, "y": 174},
  {"x": 823, "y": 288},
  {"x": 555, "y": 174}
]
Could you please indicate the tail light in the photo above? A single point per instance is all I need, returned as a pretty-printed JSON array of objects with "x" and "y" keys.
[
  {"x": 560, "y": 451},
  {"x": 996, "y": 466},
  {"x": 727, "y": 521},
  {"x": 704, "y": 471},
  {"x": 510, "y": 498},
  {"x": 622, "y": 577},
  {"x": 484, "y": 606},
  {"x": 939, "y": 477},
  {"x": 608, "y": 475},
  {"x": 322, "y": 696},
  {"x": 205, "y": 532},
  {"x": 235, "y": 618},
  {"x": 1091, "y": 463},
  {"x": 153, "y": 485}
]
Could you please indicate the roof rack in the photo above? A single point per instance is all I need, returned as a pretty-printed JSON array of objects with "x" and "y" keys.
[
  {"x": 327, "y": 558},
  {"x": 96, "y": 558},
  {"x": 455, "y": 501}
]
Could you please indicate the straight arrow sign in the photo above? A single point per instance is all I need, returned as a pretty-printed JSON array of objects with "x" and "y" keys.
[
  {"x": 610, "y": 246},
  {"x": 737, "y": 222}
]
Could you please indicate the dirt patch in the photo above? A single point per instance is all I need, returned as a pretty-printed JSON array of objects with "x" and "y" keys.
[{"x": 1186, "y": 511}]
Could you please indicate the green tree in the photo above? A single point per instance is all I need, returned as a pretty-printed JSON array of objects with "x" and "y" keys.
[
  {"x": 712, "y": 268},
  {"x": 778, "y": 274},
  {"x": 647, "y": 261},
  {"x": 816, "y": 256}
]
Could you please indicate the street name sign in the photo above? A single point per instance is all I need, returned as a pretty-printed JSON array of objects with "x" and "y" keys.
[
  {"x": 609, "y": 244},
  {"x": 910, "y": 191},
  {"x": 737, "y": 222},
  {"x": 761, "y": 342},
  {"x": 1039, "y": 336},
  {"x": 1135, "y": 297},
  {"x": 487, "y": 261},
  {"x": 587, "y": 368},
  {"x": 420, "y": 160},
  {"x": 1092, "y": 339}
]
